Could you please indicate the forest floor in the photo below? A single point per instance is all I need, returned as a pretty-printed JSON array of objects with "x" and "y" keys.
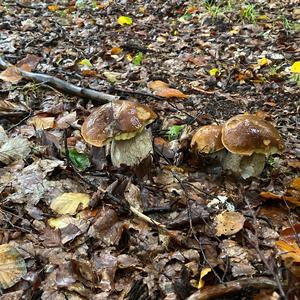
[{"x": 202, "y": 232}]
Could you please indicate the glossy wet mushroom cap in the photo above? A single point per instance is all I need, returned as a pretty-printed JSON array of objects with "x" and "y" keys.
[
  {"x": 207, "y": 139},
  {"x": 120, "y": 120},
  {"x": 248, "y": 134}
]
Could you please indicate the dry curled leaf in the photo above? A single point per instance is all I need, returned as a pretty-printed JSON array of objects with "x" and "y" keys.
[{"x": 229, "y": 222}]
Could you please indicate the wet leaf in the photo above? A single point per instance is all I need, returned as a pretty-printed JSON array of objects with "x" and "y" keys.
[
  {"x": 68, "y": 203},
  {"x": 12, "y": 266},
  {"x": 80, "y": 160},
  {"x": 124, "y": 20}
]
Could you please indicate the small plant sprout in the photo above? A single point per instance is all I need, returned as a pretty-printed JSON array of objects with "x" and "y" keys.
[
  {"x": 249, "y": 13},
  {"x": 174, "y": 132}
]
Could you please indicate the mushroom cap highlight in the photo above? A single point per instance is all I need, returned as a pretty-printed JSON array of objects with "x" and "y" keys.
[
  {"x": 207, "y": 139},
  {"x": 248, "y": 134},
  {"x": 120, "y": 120}
]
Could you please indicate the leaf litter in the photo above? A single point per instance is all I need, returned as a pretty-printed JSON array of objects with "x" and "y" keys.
[{"x": 177, "y": 226}]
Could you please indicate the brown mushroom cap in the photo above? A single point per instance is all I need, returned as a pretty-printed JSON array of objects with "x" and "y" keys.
[
  {"x": 248, "y": 134},
  {"x": 207, "y": 139},
  {"x": 120, "y": 120}
]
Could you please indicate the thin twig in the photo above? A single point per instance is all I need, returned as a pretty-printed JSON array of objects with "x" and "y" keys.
[{"x": 63, "y": 86}]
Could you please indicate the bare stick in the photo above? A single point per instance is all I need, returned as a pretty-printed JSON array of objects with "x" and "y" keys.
[{"x": 62, "y": 85}]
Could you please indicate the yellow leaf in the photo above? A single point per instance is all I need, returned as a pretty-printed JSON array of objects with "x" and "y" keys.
[
  {"x": 68, "y": 203},
  {"x": 204, "y": 272},
  {"x": 124, "y": 20},
  {"x": 295, "y": 68},
  {"x": 129, "y": 57},
  {"x": 295, "y": 184},
  {"x": 61, "y": 222},
  {"x": 53, "y": 7},
  {"x": 213, "y": 72},
  {"x": 263, "y": 61}
]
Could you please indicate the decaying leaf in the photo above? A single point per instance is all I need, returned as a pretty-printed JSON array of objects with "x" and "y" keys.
[
  {"x": 11, "y": 74},
  {"x": 12, "y": 266},
  {"x": 289, "y": 245},
  {"x": 229, "y": 222},
  {"x": 68, "y": 203},
  {"x": 157, "y": 85},
  {"x": 14, "y": 149},
  {"x": 41, "y": 122},
  {"x": 28, "y": 63}
]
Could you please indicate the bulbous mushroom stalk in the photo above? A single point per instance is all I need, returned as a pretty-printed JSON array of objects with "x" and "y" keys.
[
  {"x": 122, "y": 123},
  {"x": 249, "y": 140},
  {"x": 131, "y": 152}
]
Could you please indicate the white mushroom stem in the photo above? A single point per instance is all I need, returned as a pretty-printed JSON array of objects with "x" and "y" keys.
[
  {"x": 131, "y": 152},
  {"x": 245, "y": 166}
]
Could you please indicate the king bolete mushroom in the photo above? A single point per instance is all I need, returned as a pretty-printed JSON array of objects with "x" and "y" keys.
[
  {"x": 122, "y": 123},
  {"x": 207, "y": 139},
  {"x": 249, "y": 140}
]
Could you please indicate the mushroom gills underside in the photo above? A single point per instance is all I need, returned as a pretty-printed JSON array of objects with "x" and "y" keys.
[
  {"x": 131, "y": 152},
  {"x": 245, "y": 166}
]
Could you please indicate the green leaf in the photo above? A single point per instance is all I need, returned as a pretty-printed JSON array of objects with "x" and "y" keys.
[
  {"x": 79, "y": 160},
  {"x": 124, "y": 20},
  {"x": 137, "y": 60},
  {"x": 174, "y": 132}
]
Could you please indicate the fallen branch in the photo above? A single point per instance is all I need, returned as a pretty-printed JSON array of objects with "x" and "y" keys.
[
  {"x": 62, "y": 85},
  {"x": 231, "y": 287}
]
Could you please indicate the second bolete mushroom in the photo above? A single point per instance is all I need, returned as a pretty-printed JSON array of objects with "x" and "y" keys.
[
  {"x": 249, "y": 140},
  {"x": 122, "y": 123}
]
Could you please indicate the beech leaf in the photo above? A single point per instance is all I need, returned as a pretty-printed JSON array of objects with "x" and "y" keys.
[{"x": 68, "y": 203}]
